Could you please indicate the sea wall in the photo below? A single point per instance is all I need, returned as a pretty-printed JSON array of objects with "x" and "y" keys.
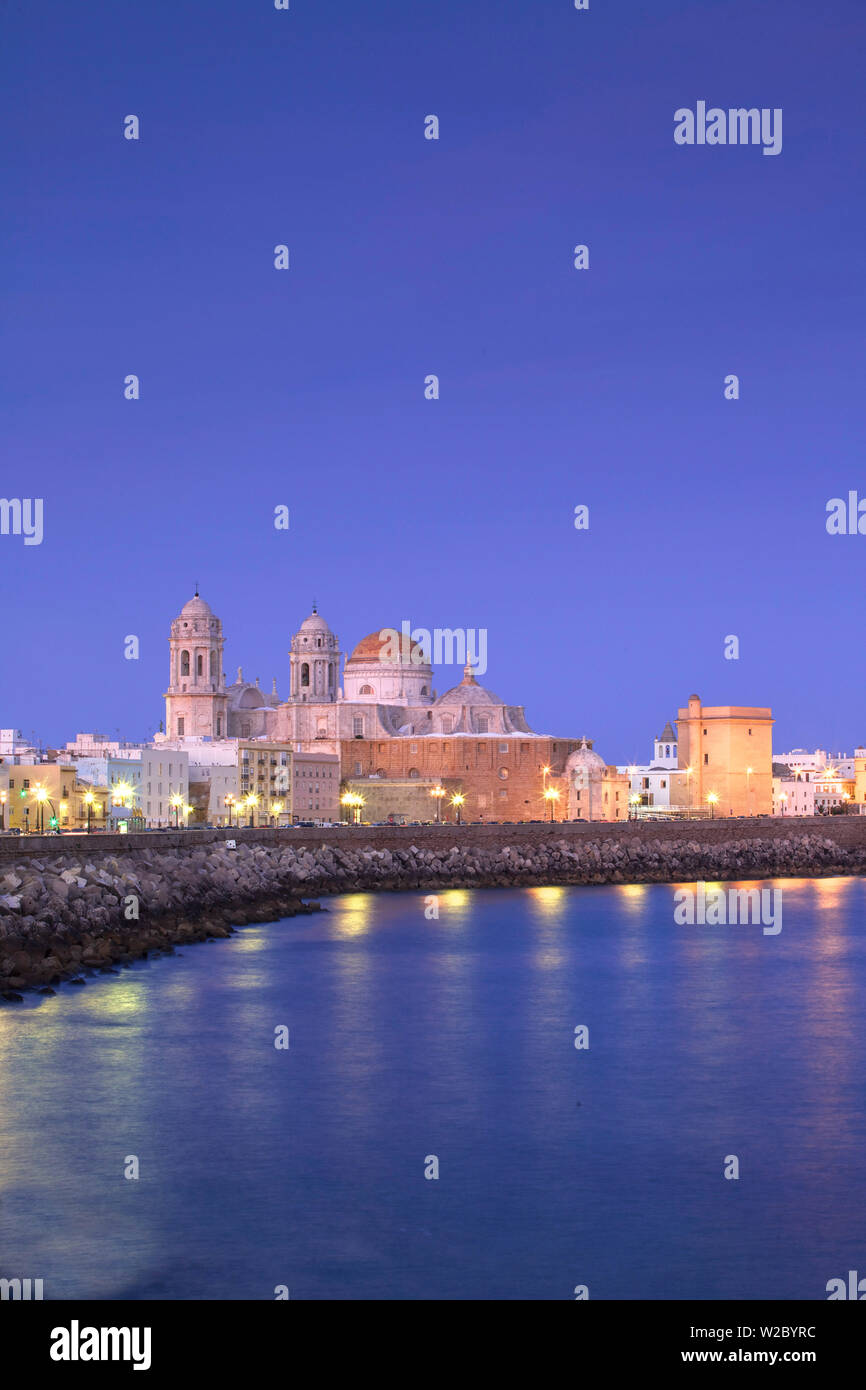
[{"x": 70, "y": 905}]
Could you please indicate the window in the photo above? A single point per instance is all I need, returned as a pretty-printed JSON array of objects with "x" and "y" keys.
[
  {"x": 413, "y": 748},
  {"x": 413, "y": 772},
  {"x": 503, "y": 773},
  {"x": 706, "y": 757},
  {"x": 358, "y": 726},
  {"x": 447, "y": 724},
  {"x": 667, "y": 750},
  {"x": 184, "y": 663},
  {"x": 180, "y": 727},
  {"x": 199, "y": 665},
  {"x": 750, "y": 733},
  {"x": 366, "y": 690},
  {"x": 503, "y": 747},
  {"x": 305, "y": 673},
  {"x": 219, "y": 725},
  {"x": 483, "y": 723}
]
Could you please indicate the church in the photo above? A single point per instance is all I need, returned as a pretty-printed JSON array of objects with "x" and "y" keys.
[{"x": 397, "y": 739}]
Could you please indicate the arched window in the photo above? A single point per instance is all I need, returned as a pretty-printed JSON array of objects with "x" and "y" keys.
[
  {"x": 184, "y": 663},
  {"x": 199, "y": 665},
  {"x": 667, "y": 750},
  {"x": 424, "y": 690},
  {"x": 413, "y": 772},
  {"x": 446, "y": 723},
  {"x": 366, "y": 690},
  {"x": 503, "y": 773},
  {"x": 305, "y": 673},
  {"x": 214, "y": 657}
]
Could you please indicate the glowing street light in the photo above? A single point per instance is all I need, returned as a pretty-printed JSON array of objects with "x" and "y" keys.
[
  {"x": 89, "y": 799},
  {"x": 276, "y": 809},
  {"x": 176, "y": 800},
  {"x": 252, "y": 803},
  {"x": 438, "y": 792},
  {"x": 551, "y": 796},
  {"x": 229, "y": 801},
  {"x": 634, "y": 801},
  {"x": 458, "y": 800},
  {"x": 41, "y": 795},
  {"x": 713, "y": 798},
  {"x": 3, "y": 810}
]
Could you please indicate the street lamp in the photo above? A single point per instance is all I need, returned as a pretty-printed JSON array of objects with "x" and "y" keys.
[
  {"x": 3, "y": 810},
  {"x": 41, "y": 796},
  {"x": 712, "y": 798},
  {"x": 458, "y": 800},
  {"x": 635, "y": 802},
  {"x": 88, "y": 801},
  {"x": 783, "y": 797},
  {"x": 438, "y": 792},
  {"x": 176, "y": 800},
  {"x": 551, "y": 796},
  {"x": 187, "y": 812},
  {"x": 230, "y": 801},
  {"x": 276, "y": 809},
  {"x": 252, "y": 803}
]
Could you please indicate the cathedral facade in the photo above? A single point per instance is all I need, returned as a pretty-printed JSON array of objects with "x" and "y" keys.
[{"x": 380, "y": 714}]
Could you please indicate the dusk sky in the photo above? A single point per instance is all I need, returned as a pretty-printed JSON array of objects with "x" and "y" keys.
[{"x": 408, "y": 257}]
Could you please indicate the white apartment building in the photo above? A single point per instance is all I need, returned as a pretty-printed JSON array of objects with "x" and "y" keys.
[{"x": 164, "y": 774}]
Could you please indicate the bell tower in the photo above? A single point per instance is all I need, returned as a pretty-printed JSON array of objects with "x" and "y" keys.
[
  {"x": 196, "y": 703},
  {"x": 314, "y": 663}
]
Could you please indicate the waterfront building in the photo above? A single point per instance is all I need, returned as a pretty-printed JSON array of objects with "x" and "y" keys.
[
  {"x": 164, "y": 776},
  {"x": 596, "y": 791},
  {"x": 315, "y": 787},
  {"x": 726, "y": 754},
  {"x": 26, "y": 781},
  {"x": 659, "y": 786}
]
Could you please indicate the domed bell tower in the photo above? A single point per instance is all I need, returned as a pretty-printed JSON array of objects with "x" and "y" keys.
[{"x": 196, "y": 703}]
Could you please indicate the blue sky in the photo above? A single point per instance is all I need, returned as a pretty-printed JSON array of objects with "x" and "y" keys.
[{"x": 408, "y": 257}]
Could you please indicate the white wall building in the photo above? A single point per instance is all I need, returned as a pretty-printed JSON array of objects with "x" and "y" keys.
[{"x": 165, "y": 773}]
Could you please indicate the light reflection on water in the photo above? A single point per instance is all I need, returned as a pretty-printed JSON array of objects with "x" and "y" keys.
[{"x": 415, "y": 1034}]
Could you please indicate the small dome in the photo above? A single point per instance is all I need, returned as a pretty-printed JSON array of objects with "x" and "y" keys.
[
  {"x": 315, "y": 623},
  {"x": 584, "y": 756},
  {"x": 196, "y": 608},
  {"x": 378, "y": 648},
  {"x": 468, "y": 692}
]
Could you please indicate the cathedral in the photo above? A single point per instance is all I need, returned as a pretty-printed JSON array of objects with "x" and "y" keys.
[{"x": 383, "y": 718}]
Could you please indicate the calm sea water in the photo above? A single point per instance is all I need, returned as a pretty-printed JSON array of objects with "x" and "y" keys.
[{"x": 452, "y": 1037}]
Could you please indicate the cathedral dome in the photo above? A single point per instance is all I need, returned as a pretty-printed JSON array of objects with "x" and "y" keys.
[{"x": 383, "y": 648}]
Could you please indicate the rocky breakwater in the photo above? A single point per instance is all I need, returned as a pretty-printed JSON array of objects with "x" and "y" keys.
[{"x": 67, "y": 913}]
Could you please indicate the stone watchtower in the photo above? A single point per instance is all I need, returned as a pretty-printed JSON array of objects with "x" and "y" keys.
[{"x": 196, "y": 703}]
